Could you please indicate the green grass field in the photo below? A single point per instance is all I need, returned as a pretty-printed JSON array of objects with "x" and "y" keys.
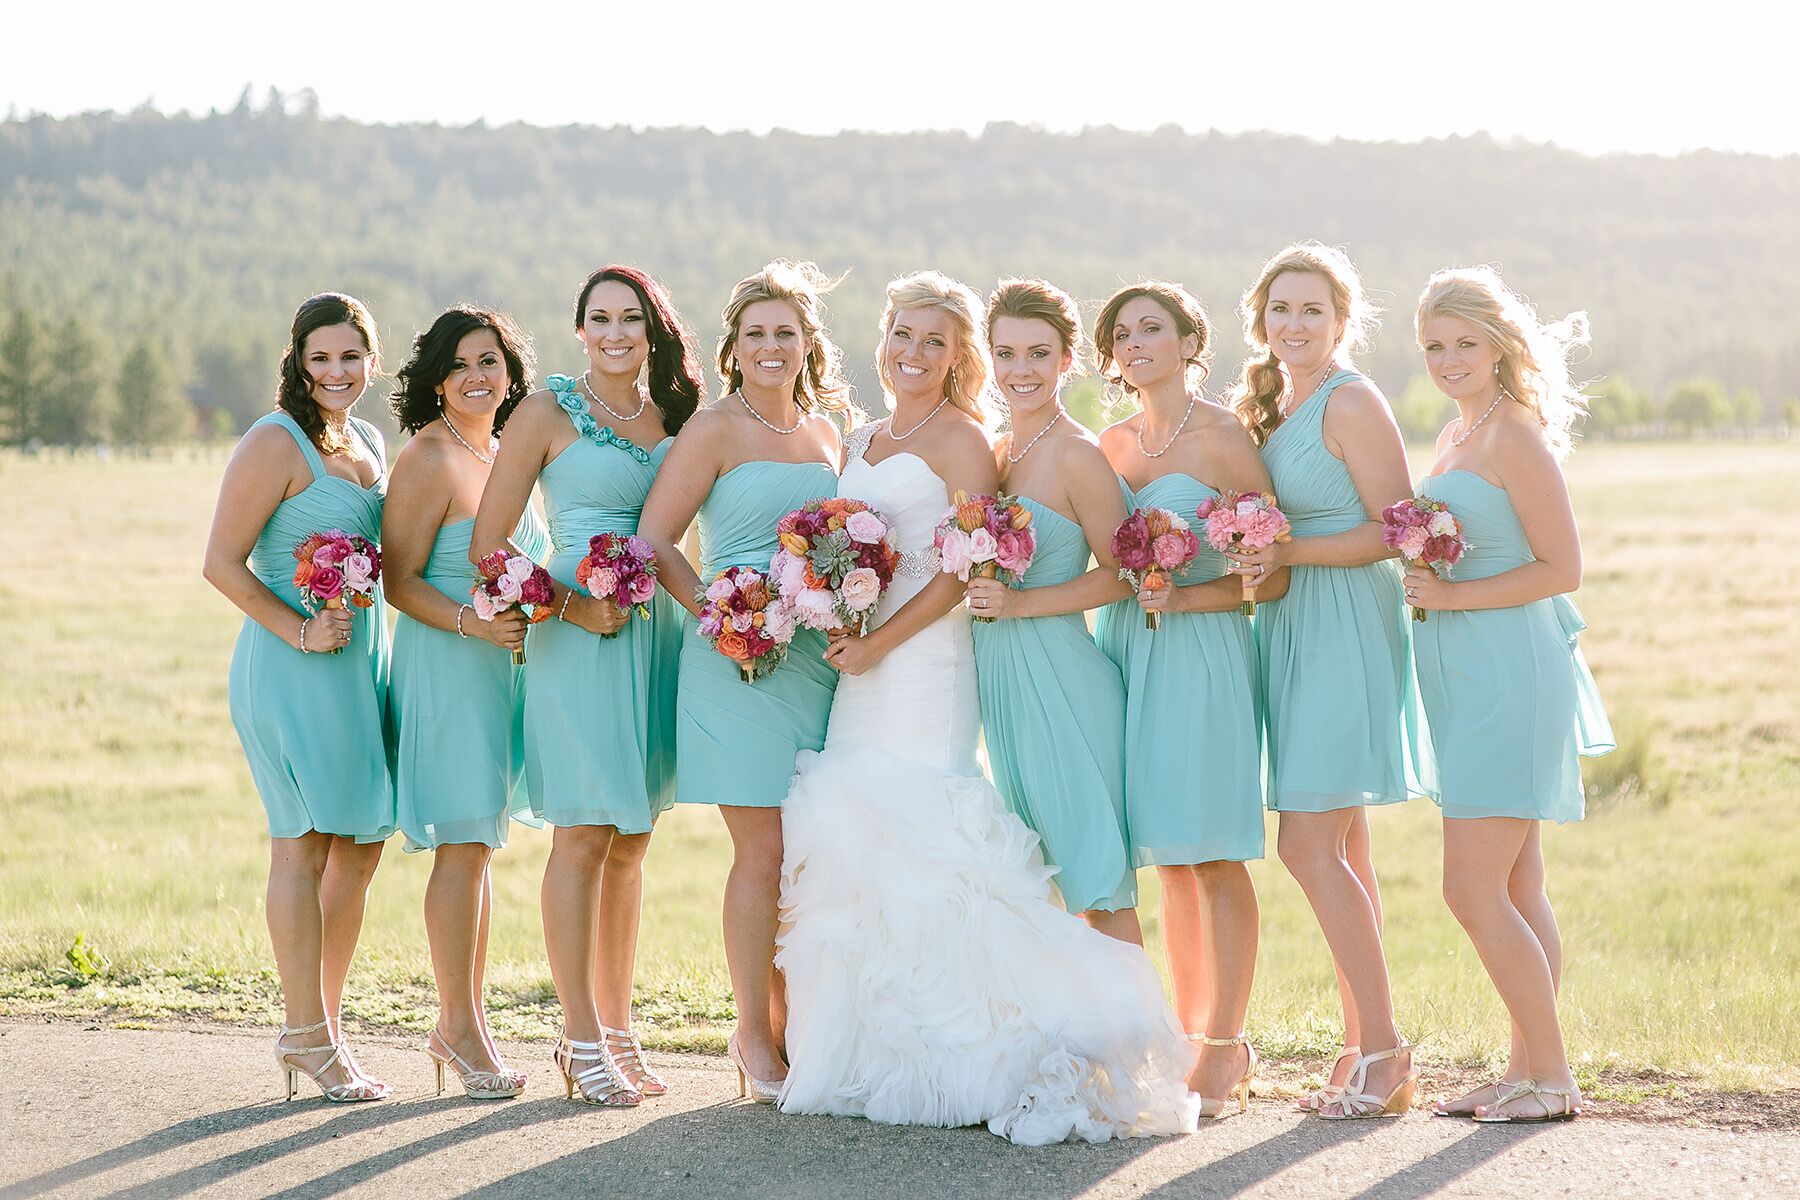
[{"x": 131, "y": 824}]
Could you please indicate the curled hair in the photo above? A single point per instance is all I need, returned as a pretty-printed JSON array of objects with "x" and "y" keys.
[
  {"x": 1534, "y": 355},
  {"x": 1039, "y": 300},
  {"x": 293, "y": 394},
  {"x": 673, "y": 367},
  {"x": 966, "y": 384},
  {"x": 416, "y": 402},
  {"x": 1185, "y": 311},
  {"x": 821, "y": 385},
  {"x": 1256, "y": 396}
]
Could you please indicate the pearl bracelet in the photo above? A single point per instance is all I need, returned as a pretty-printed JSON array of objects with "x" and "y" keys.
[
  {"x": 459, "y": 613},
  {"x": 567, "y": 596},
  {"x": 303, "y": 621}
]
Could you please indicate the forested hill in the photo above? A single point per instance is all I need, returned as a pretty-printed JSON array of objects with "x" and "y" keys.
[{"x": 204, "y": 232}]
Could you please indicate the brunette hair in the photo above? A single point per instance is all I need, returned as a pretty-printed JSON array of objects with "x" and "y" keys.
[
  {"x": 1190, "y": 320},
  {"x": 967, "y": 383},
  {"x": 821, "y": 384},
  {"x": 1039, "y": 300},
  {"x": 674, "y": 376},
  {"x": 416, "y": 402},
  {"x": 293, "y": 394}
]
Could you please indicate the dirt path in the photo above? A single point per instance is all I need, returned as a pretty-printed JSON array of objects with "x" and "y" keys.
[{"x": 100, "y": 1112}]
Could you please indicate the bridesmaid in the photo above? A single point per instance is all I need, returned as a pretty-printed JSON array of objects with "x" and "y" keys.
[
  {"x": 457, "y": 699},
  {"x": 1510, "y": 699},
  {"x": 311, "y": 722},
  {"x": 599, "y": 705},
  {"x": 1193, "y": 792},
  {"x": 1052, "y": 705},
  {"x": 1334, "y": 649},
  {"x": 764, "y": 448}
]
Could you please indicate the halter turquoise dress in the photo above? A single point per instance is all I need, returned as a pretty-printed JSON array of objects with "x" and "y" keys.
[
  {"x": 314, "y": 726},
  {"x": 599, "y": 712},
  {"x": 459, "y": 709},
  {"x": 1510, "y": 700},
  {"x": 1193, "y": 714},
  {"x": 737, "y": 741},
  {"x": 1053, "y": 710},
  {"x": 1341, "y": 716}
]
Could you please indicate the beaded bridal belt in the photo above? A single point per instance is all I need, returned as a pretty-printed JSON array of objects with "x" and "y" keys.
[{"x": 918, "y": 564}]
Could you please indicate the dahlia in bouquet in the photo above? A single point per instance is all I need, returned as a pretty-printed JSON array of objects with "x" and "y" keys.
[
  {"x": 985, "y": 536},
  {"x": 1424, "y": 531},
  {"x": 333, "y": 568},
  {"x": 837, "y": 557},
  {"x": 503, "y": 580},
  {"x": 1151, "y": 545},
  {"x": 620, "y": 567},
  {"x": 1243, "y": 519},
  {"x": 742, "y": 616}
]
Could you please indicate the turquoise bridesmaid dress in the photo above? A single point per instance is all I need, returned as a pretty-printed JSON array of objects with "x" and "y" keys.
[
  {"x": 1342, "y": 720},
  {"x": 1053, "y": 709},
  {"x": 1510, "y": 700},
  {"x": 459, "y": 707},
  {"x": 599, "y": 712},
  {"x": 313, "y": 725},
  {"x": 1193, "y": 714},
  {"x": 737, "y": 741}
]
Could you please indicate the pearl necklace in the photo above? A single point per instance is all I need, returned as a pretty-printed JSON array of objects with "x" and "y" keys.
[
  {"x": 1457, "y": 439},
  {"x": 1034, "y": 441},
  {"x": 1298, "y": 398},
  {"x": 901, "y": 437},
  {"x": 1142, "y": 421},
  {"x": 587, "y": 387},
  {"x": 766, "y": 422},
  {"x": 493, "y": 442}
]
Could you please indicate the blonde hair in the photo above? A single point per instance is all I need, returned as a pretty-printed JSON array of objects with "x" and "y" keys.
[
  {"x": 1256, "y": 396},
  {"x": 821, "y": 384},
  {"x": 1190, "y": 320},
  {"x": 1534, "y": 355},
  {"x": 967, "y": 383}
]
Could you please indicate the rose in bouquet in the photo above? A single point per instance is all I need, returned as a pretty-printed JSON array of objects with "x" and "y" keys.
[
  {"x": 1243, "y": 519},
  {"x": 986, "y": 536},
  {"x": 503, "y": 580},
  {"x": 1426, "y": 533},
  {"x": 333, "y": 568},
  {"x": 837, "y": 557},
  {"x": 1151, "y": 545},
  {"x": 742, "y": 616},
  {"x": 622, "y": 568}
]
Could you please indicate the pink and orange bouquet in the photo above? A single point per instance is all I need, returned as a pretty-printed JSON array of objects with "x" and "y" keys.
[
  {"x": 1424, "y": 531},
  {"x": 621, "y": 567},
  {"x": 1150, "y": 546},
  {"x": 334, "y": 568},
  {"x": 503, "y": 580},
  {"x": 1243, "y": 519},
  {"x": 837, "y": 557},
  {"x": 988, "y": 537},
  {"x": 741, "y": 614}
]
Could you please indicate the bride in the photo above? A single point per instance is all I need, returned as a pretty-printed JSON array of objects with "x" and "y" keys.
[{"x": 931, "y": 978}]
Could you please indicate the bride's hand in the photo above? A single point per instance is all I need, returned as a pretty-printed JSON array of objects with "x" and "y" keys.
[{"x": 852, "y": 654}]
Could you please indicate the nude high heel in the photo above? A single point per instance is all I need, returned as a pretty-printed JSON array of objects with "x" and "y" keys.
[
  {"x": 477, "y": 1085},
  {"x": 763, "y": 1091},
  {"x": 354, "y": 1089},
  {"x": 1214, "y": 1110}
]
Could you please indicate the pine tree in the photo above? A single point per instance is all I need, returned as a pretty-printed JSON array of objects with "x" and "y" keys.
[
  {"x": 25, "y": 379},
  {"x": 152, "y": 409},
  {"x": 80, "y": 414}
]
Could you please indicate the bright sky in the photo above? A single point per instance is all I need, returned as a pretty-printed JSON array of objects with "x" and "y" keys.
[{"x": 1653, "y": 75}]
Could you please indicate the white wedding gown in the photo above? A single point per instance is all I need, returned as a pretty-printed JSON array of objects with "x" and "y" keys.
[{"x": 931, "y": 978}]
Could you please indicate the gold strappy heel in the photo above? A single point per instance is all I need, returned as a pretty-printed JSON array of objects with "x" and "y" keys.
[{"x": 1213, "y": 1110}]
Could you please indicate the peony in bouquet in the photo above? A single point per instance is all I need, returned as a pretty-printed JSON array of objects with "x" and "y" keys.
[
  {"x": 622, "y": 567},
  {"x": 1150, "y": 546},
  {"x": 503, "y": 580},
  {"x": 334, "y": 567},
  {"x": 985, "y": 536},
  {"x": 742, "y": 616},
  {"x": 837, "y": 556},
  {"x": 1425, "y": 531},
  {"x": 1243, "y": 519}
]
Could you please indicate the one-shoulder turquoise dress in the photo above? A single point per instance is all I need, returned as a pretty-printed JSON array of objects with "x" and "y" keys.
[
  {"x": 314, "y": 726},
  {"x": 1510, "y": 700},
  {"x": 599, "y": 712},
  {"x": 1053, "y": 709},
  {"x": 1193, "y": 714},
  {"x": 459, "y": 709},
  {"x": 736, "y": 741},
  {"x": 1341, "y": 716}
]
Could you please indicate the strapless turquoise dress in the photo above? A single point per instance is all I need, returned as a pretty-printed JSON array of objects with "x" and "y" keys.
[
  {"x": 1510, "y": 700},
  {"x": 459, "y": 708},
  {"x": 736, "y": 742},
  {"x": 1193, "y": 714},
  {"x": 1342, "y": 719},
  {"x": 314, "y": 726},
  {"x": 599, "y": 712},
  {"x": 1053, "y": 709}
]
